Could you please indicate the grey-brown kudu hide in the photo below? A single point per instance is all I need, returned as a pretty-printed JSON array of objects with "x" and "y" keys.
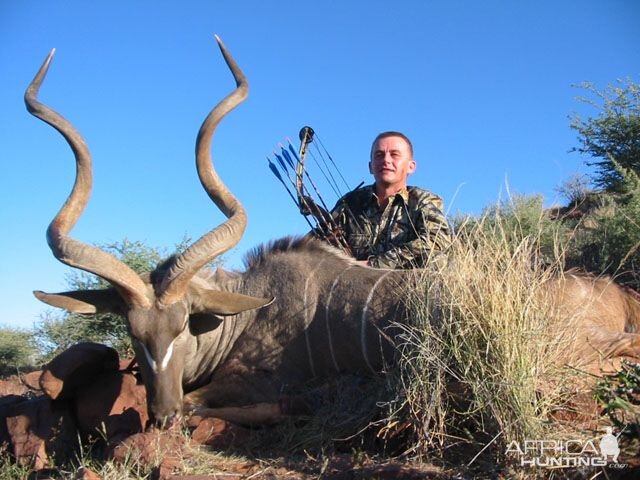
[
  {"x": 226, "y": 340},
  {"x": 223, "y": 336}
]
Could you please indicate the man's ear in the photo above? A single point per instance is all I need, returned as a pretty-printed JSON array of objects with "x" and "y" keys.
[
  {"x": 85, "y": 301},
  {"x": 224, "y": 303},
  {"x": 370, "y": 168},
  {"x": 412, "y": 166}
]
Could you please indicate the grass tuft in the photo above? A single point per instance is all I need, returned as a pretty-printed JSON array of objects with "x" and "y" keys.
[{"x": 480, "y": 353}]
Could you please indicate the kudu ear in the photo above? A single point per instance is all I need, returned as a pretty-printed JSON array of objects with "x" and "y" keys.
[
  {"x": 85, "y": 301},
  {"x": 225, "y": 303}
]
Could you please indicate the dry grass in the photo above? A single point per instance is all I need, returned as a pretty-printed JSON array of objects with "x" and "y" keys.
[{"x": 479, "y": 356}]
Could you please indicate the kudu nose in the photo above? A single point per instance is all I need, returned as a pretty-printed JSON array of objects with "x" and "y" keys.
[{"x": 169, "y": 420}]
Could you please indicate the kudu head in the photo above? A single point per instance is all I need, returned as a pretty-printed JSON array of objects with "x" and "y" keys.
[{"x": 157, "y": 306}]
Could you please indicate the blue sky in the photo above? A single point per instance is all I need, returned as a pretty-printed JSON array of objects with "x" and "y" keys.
[{"x": 484, "y": 89}]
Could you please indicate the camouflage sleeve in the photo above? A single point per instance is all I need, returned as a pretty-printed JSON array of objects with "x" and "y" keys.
[{"x": 433, "y": 236}]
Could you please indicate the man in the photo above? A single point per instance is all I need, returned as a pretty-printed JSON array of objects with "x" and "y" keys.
[{"x": 389, "y": 224}]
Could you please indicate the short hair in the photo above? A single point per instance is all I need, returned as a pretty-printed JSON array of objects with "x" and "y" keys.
[{"x": 391, "y": 133}]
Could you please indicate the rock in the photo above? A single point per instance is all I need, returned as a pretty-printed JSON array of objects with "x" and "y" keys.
[
  {"x": 6, "y": 403},
  {"x": 342, "y": 467},
  {"x": 161, "y": 449},
  {"x": 28, "y": 448},
  {"x": 167, "y": 467},
  {"x": 128, "y": 365},
  {"x": 32, "y": 380},
  {"x": 113, "y": 404},
  {"x": 38, "y": 428},
  {"x": 12, "y": 386},
  {"x": 76, "y": 366},
  {"x": 398, "y": 471},
  {"x": 580, "y": 410},
  {"x": 26, "y": 435},
  {"x": 217, "y": 433},
  {"x": 225, "y": 476},
  {"x": 84, "y": 473}
]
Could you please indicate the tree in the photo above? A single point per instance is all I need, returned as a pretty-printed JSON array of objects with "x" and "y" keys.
[
  {"x": 17, "y": 350},
  {"x": 575, "y": 189},
  {"x": 614, "y": 133},
  {"x": 57, "y": 331},
  {"x": 609, "y": 240}
]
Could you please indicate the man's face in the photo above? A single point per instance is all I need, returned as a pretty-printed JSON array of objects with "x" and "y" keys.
[{"x": 391, "y": 162}]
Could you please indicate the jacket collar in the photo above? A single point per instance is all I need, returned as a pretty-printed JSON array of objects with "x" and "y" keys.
[{"x": 403, "y": 193}]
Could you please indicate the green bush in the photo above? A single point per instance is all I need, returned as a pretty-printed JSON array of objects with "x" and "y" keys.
[
  {"x": 607, "y": 238},
  {"x": 58, "y": 330},
  {"x": 17, "y": 350},
  {"x": 613, "y": 133},
  {"x": 608, "y": 241},
  {"x": 619, "y": 395}
]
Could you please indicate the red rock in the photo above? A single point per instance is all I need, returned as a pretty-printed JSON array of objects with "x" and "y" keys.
[
  {"x": 156, "y": 448},
  {"x": 397, "y": 471},
  {"x": 193, "y": 421},
  {"x": 38, "y": 428},
  {"x": 32, "y": 380},
  {"x": 213, "y": 476},
  {"x": 113, "y": 404},
  {"x": 167, "y": 467},
  {"x": 76, "y": 366},
  {"x": 128, "y": 365},
  {"x": 218, "y": 433},
  {"x": 342, "y": 467},
  {"x": 225, "y": 476},
  {"x": 84, "y": 473},
  {"x": 580, "y": 409},
  {"x": 12, "y": 386},
  {"x": 27, "y": 434},
  {"x": 6, "y": 403}
]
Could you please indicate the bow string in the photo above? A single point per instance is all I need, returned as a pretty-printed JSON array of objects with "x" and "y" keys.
[{"x": 308, "y": 199}]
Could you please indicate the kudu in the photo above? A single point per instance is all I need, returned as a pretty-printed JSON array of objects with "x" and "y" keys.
[{"x": 222, "y": 337}]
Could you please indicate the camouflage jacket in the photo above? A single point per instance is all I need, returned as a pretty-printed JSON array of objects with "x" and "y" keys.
[{"x": 402, "y": 235}]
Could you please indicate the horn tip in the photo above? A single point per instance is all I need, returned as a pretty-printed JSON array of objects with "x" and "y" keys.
[
  {"x": 52, "y": 52},
  {"x": 31, "y": 93},
  {"x": 222, "y": 48}
]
